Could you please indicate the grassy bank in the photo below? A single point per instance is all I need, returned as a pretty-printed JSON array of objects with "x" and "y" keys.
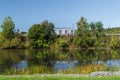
[
  {"x": 58, "y": 78},
  {"x": 86, "y": 69}
]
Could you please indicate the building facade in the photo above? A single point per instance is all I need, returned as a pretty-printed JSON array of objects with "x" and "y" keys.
[{"x": 64, "y": 31}]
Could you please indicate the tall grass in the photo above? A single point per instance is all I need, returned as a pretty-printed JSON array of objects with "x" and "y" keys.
[
  {"x": 31, "y": 70},
  {"x": 85, "y": 69}
]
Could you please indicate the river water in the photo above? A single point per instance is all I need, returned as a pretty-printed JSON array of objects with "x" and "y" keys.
[{"x": 58, "y": 59}]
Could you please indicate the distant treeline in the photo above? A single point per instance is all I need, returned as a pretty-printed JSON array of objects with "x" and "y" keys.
[{"x": 42, "y": 36}]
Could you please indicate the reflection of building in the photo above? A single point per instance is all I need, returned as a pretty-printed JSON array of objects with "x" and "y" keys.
[{"x": 64, "y": 31}]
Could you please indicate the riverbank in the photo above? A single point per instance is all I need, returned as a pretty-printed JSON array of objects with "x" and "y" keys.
[{"x": 93, "y": 74}]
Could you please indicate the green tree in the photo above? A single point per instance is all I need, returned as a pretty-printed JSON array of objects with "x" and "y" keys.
[
  {"x": 83, "y": 36},
  {"x": 99, "y": 26},
  {"x": 96, "y": 27},
  {"x": 34, "y": 34},
  {"x": 88, "y": 35},
  {"x": 41, "y": 35},
  {"x": 82, "y": 26},
  {"x": 15, "y": 43},
  {"x": 97, "y": 30},
  {"x": 62, "y": 42},
  {"x": 8, "y": 28},
  {"x": 48, "y": 29},
  {"x": 11, "y": 38}
]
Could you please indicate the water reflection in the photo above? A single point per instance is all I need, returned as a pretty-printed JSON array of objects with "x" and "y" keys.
[
  {"x": 21, "y": 65},
  {"x": 58, "y": 59},
  {"x": 113, "y": 63},
  {"x": 65, "y": 65}
]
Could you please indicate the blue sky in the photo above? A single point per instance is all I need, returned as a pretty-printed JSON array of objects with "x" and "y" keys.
[{"x": 63, "y": 13}]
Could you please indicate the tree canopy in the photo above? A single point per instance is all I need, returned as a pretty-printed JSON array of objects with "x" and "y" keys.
[
  {"x": 41, "y": 35},
  {"x": 8, "y": 28}
]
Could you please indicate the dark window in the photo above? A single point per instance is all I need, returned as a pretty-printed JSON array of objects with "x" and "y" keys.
[
  {"x": 65, "y": 31},
  {"x": 71, "y": 31},
  {"x": 60, "y": 32}
]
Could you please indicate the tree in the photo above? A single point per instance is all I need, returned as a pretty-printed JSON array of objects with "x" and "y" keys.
[
  {"x": 48, "y": 30},
  {"x": 8, "y": 28},
  {"x": 88, "y": 35},
  {"x": 99, "y": 26},
  {"x": 11, "y": 38},
  {"x": 83, "y": 36},
  {"x": 82, "y": 26},
  {"x": 62, "y": 42},
  {"x": 41, "y": 35},
  {"x": 34, "y": 34},
  {"x": 15, "y": 43},
  {"x": 97, "y": 30},
  {"x": 96, "y": 27}
]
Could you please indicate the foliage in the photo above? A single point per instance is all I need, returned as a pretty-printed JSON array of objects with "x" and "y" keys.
[
  {"x": 33, "y": 35},
  {"x": 82, "y": 26},
  {"x": 15, "y": 42},
  {"x": 10, "y": 38},
  {"x": 41, "y": 35},
  {"x": 62, "y": 42},
  {"x": 96, "y": 27},
  {"x": 84, "y": 37},
  {"x": 88, "y": 35},
  {"x": 114, "y": 42},
  {"x": 6, "y": 44},
  {"x": 8, "y": 28}
]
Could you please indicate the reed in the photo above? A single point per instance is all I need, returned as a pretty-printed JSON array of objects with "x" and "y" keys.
[
  {"x": 31, "y": 70},
  {"x": 85, "y": 69}
]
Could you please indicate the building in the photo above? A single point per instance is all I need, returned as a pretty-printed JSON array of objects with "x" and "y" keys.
[{"x": 64, "y": 31}]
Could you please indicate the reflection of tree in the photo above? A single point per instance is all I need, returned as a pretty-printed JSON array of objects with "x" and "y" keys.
[
  {"x": 105, "y": 55},
  {"x": 48, "y": 57},
  {"x": 65, "y": 55},
  {"x": 93, "y": 56},
  {"x": 8, "y": 58},
  {"x": 41, "y": 57},
  {"x": 85, "y": 56},
  {"x": 6, "y": 64}
]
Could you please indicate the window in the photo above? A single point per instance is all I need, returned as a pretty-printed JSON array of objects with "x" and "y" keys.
[
  {"x": 60, "y": 32},
  {"x": 71, "y": 31},
  {"x": 66, "y": 32}
]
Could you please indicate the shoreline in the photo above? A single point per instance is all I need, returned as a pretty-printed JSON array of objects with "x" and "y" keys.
[{"x": 92, "y": 74}]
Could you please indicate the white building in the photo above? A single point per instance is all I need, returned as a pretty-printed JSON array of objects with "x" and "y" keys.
[{"x": 64, "y": 31}]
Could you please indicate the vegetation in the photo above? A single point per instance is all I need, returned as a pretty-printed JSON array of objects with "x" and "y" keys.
[
  {"x": 89, "y": 35},
  {"x": 8, "y": 28},
  {"x": 9, "y": 37},
  {"x": 58, "y": 77},
  {"x": 43, "y": 61},
  {"x": 39, "y": 36},
  {"x": 42, "y": 36}
]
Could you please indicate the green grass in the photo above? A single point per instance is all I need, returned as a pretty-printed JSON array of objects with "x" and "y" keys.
[{"x": 58, "y": 78}]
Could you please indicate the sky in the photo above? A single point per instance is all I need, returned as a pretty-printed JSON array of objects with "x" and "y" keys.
[{"x": 63, "y": 13}]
